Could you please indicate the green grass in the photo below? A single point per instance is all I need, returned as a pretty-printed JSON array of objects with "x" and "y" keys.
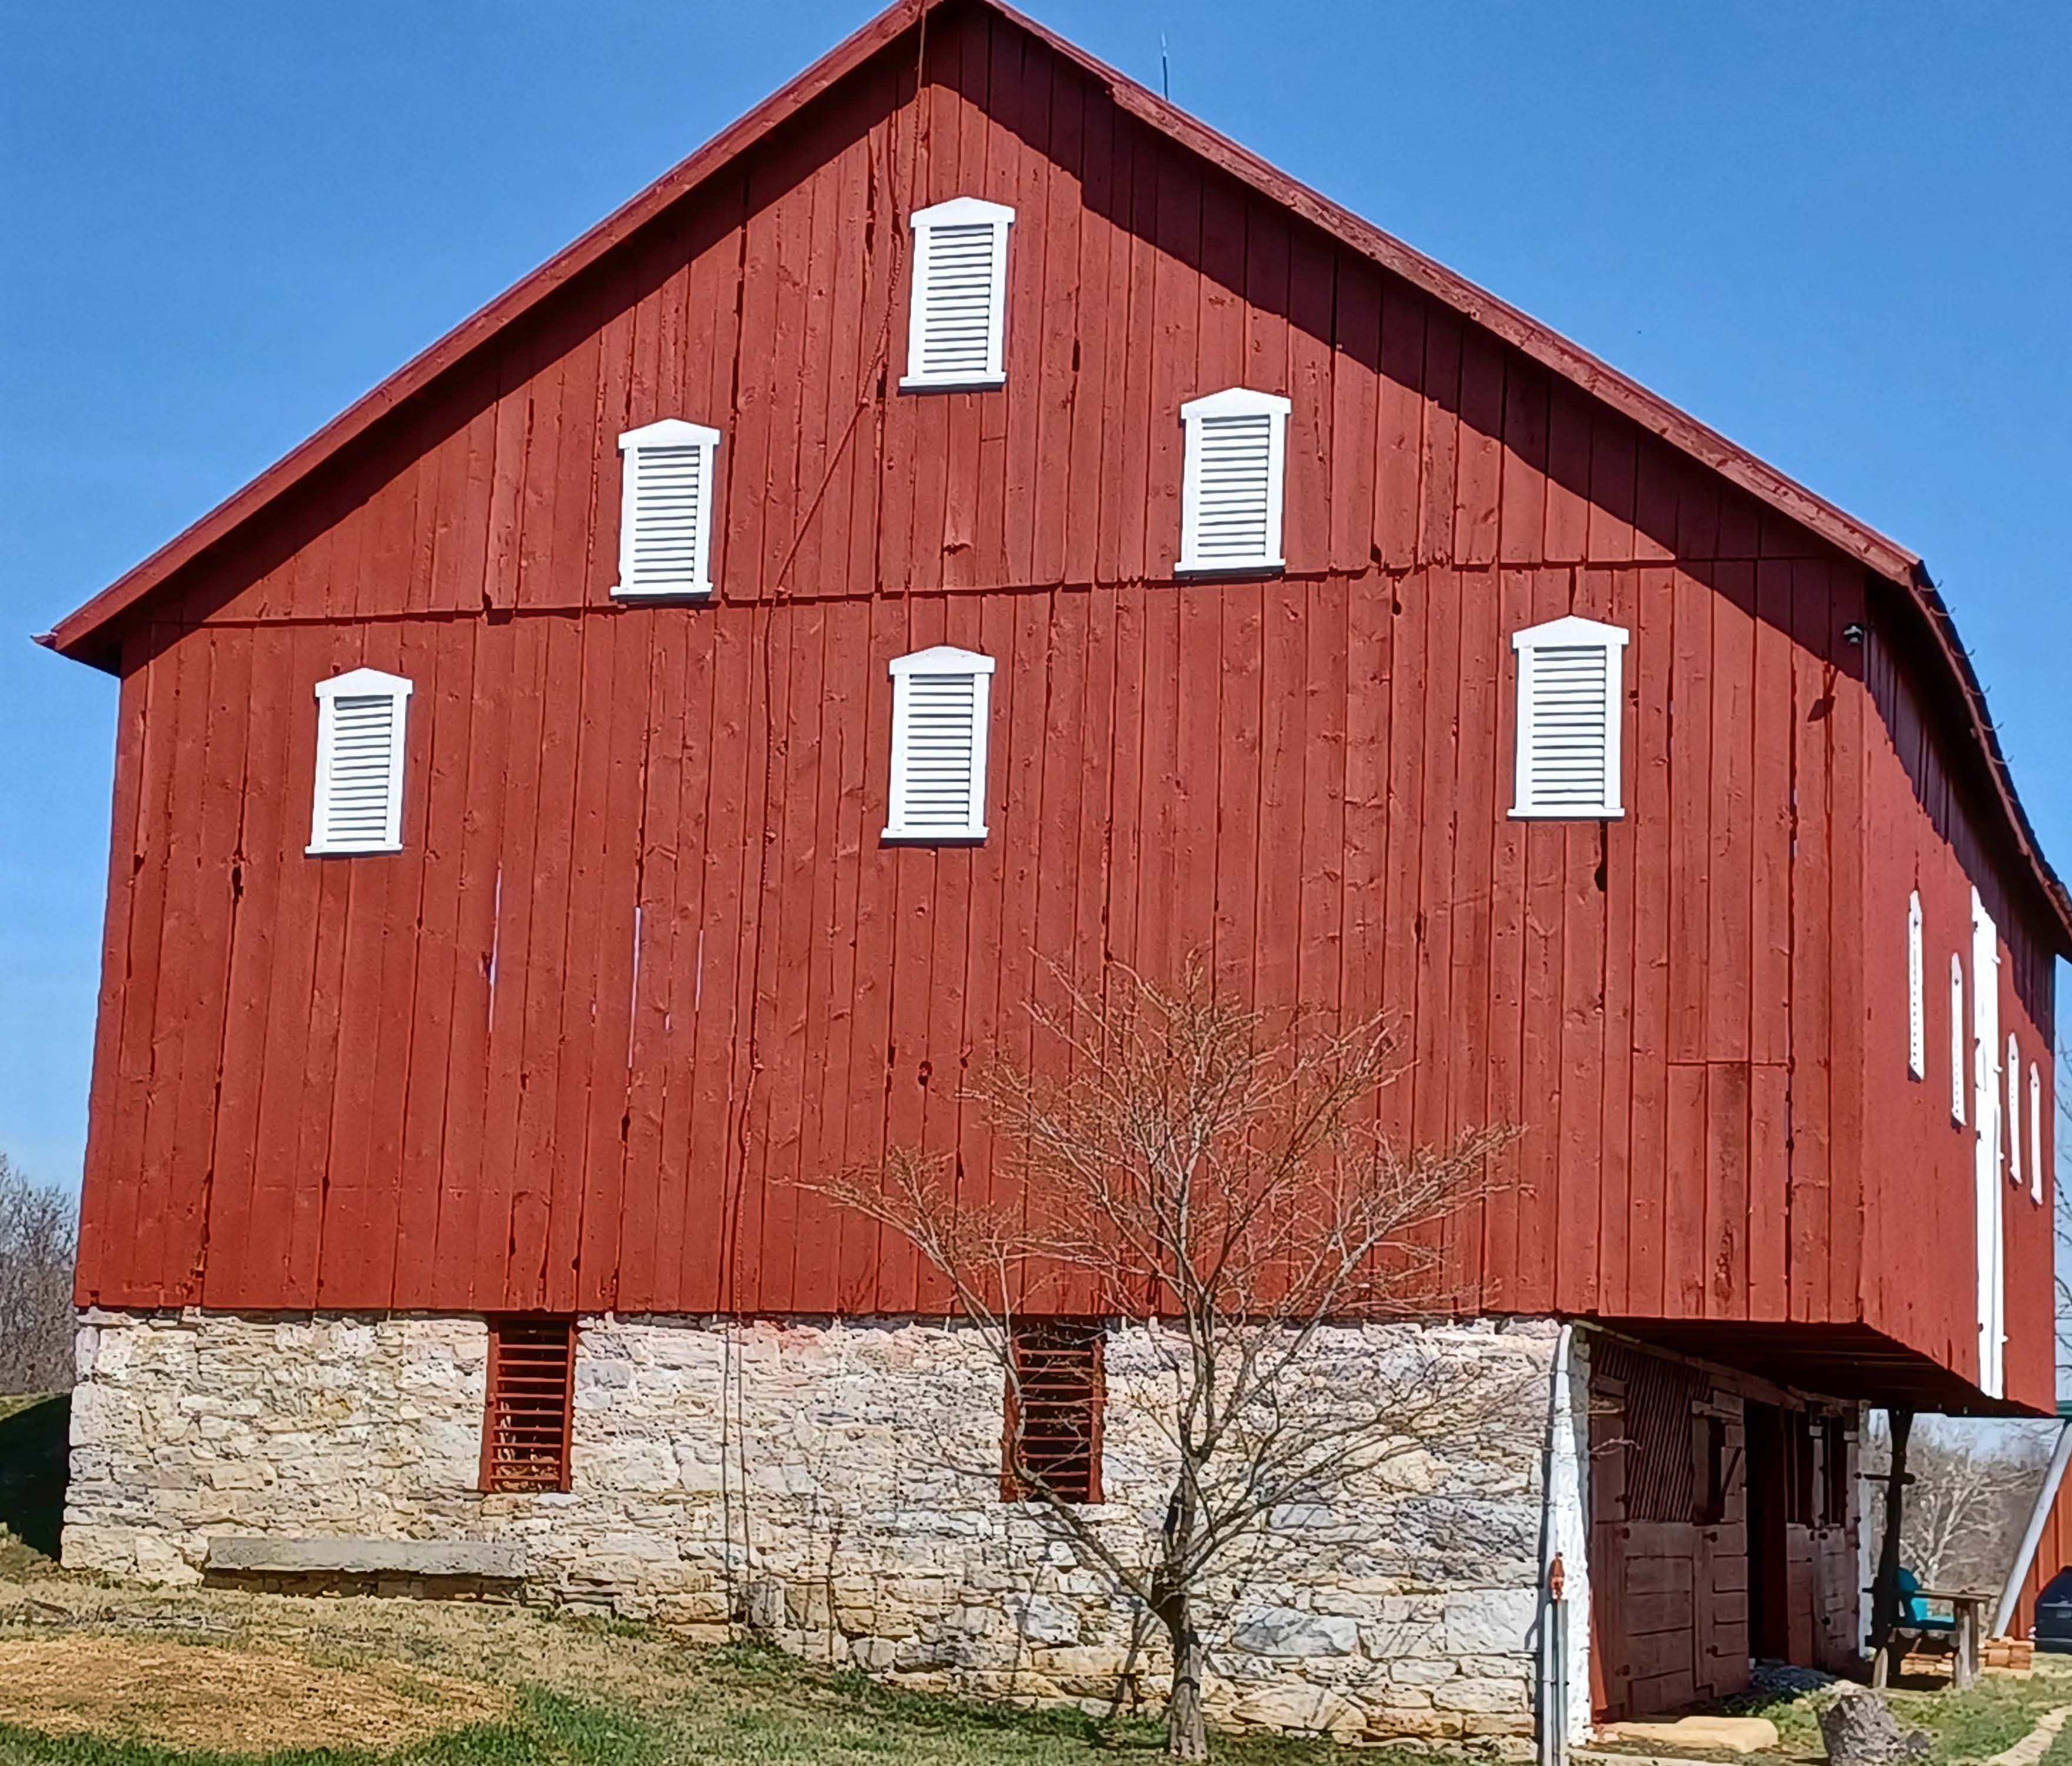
[
  {"x": 742, "y": 1705},
  {"x": 1970, "y": 1726}
]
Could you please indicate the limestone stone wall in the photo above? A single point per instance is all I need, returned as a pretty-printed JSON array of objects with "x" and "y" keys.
[{"x": 835, "y": 1485}]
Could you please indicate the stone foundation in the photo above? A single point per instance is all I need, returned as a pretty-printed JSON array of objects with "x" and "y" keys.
[{"x": 835, "y": 1486}]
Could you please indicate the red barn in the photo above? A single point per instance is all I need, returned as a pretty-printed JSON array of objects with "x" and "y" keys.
[{"x": 971, "y": 523}]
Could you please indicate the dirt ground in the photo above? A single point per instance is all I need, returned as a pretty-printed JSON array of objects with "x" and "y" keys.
[{"x": 241, "y": 1700}]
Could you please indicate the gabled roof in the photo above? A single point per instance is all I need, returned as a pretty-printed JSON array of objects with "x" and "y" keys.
[{"x": 85, "y": 635}]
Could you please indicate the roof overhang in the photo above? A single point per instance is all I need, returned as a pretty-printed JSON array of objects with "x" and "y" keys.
[
  {"x": 87, "y": 635},
  {"x": 1851, "y": 1362}
]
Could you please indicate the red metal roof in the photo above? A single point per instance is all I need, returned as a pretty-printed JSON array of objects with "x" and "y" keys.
[{"x": 85, "y": 635}]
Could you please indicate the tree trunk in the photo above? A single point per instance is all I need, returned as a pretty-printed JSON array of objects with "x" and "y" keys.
[{"x": 1186, "y": 1724}]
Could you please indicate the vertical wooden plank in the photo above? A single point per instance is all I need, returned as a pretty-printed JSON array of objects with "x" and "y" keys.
[
  {"x": 1509, "y": 1214},
  {"x": 1848, "y": 1205},
  {"x": 675, "y": 741},
  {"x": 1430, "y": 928},
  {"x": 1399, "y": 428},
  {"x": 174, "y": 1031},
  {"x": 795, "y": 856},
  {"x": 284, "y": 1194},
  {"x": 1320, "y": 954},
  {"x": 863, "y": 1143},
  {"x": 1522, "y": 538},
  {"x": 498, "y": 1274},
  {"x": 712, "y": 1185},
  {"x": 1690, "y": 736},
  {"x": 1407, "y": 598},
  {"x": 1813, "y": 931},
  {"x": 392, "y": 1008},
  {"x": 1355, "y": 412},
  {"x": 1238, "y": 714},
  {"x": 1479, "y": 491},
  {"x": 1482, "y": 815},
  {"x": 1440, "y": 457},
  {"x": 1055, "y": 376},
  {"x": 1197, "y": 783},
  {"x": 1312, "y": 299},
  {"x": 1569, "y": 415},
  {"x": 831, "y": 978},
  {"x": 446, "y": 715},
  {"x": 1614, "y": 468},
  {"x": 1100, "y": 314},
  {"x": 1727, "y": 969},
  {"x": 1770, "y": 1000},
  {"x": 1651, "y": 657},
  {"x": 1770, "y": 1125},
  {"x": 1284, "y": 661},
  {"x": 108, "y": 1191},
  {"x": 540, "y": 1178},
  {"x": 1726, "y": 1154},
  {"x": 1687, "y": 1182}
]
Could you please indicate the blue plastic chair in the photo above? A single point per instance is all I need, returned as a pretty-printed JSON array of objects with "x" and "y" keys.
[{"x": 1913, "y": 1613}]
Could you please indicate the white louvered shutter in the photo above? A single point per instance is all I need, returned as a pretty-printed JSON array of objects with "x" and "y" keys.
[
  {"x": 1570, "y": 695},
  {"x": 1917, "y": 1004},
  {"x": 2014, "y": 1112},
  {"x": 358, "y": 802},
  {"x": 1957, "y": 1080},
  {"x": 665, "y": 516},
  {"x": 1232, "y": 481},
  {"x": 2035, "y": 1134},
  {"x": 940, "y": 700},
  {"x": 957, "y": 320}
]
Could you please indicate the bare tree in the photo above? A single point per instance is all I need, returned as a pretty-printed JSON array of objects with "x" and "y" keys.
[
  {"x": 1971, "y": 1487},
  {"x": 39, "y": 1241},
  {"x": 1215, "y": 1174}
]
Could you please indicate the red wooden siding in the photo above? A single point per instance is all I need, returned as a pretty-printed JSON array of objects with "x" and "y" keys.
[
  {"x": 644, "y": 961},
  {"x": 1920, "y": 837}
]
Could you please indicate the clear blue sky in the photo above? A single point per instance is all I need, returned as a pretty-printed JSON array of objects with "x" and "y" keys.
[{"x": 1838, "y": 232}]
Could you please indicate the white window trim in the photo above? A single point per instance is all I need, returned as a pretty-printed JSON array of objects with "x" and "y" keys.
[
  {"x": 1917, "y": 1002},
  {"x": 2035, "y": 1132},
  {"x": 942, "y": 659},
  {"x": 1958, "y": 1080},
  {"x": 670, "y": 432},
  {"x": 1232, "y": 401},
  {"x": 359, "y": 684},
  {"x": 1571, "y": 632},
  {"x": 958, "y": 212}
]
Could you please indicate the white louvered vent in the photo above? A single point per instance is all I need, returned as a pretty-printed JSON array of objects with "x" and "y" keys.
[
  {"x": 956, "y": 325},
  {"x": 1231, "y": 481},
  {"x": 1569, "y": 697},
  {"x": 358, "y": 805},
  {"x": 1916, "y": 1004},
  {"x": 1957, "y": 1080},
  {"x": 2035, "y": 1134},
  {"x": 665, "y": 509},
  {"x": 2014, "y": 1112},
  {"x": 941, "y": 699}
]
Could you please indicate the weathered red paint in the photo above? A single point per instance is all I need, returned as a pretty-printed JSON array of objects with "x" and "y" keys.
[{"x": 645, "y": 963}]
